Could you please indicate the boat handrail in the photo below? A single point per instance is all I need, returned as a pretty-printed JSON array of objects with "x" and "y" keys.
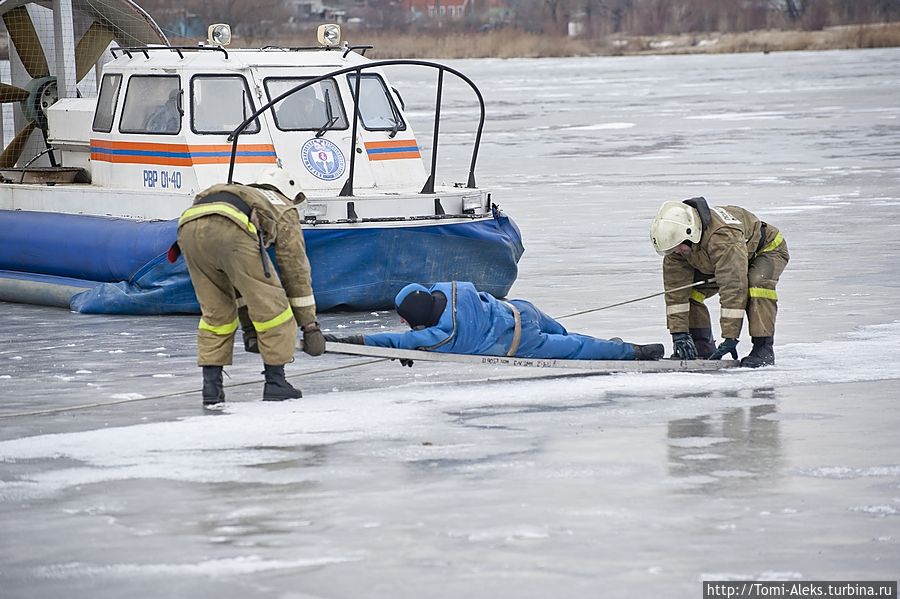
[
  {"x": 271, "y": 47},
  {"x": 347, "y": 189},
  {"x": 145, "y": 50},
  {"x": 49, "y": 151},
  {"x": 346, "y": 48},
  {"x": 349, "y": 49},
  {"x": 314, "y": 221}
]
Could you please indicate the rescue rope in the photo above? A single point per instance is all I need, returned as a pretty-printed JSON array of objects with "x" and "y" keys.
[
  {"x": 637, "y": 299},
  {"x": 176, "y": 393}
]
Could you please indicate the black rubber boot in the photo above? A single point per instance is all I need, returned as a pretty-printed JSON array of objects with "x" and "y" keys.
[
  {"x": 653, "y": 351},
  {"x": 762, "y": 354},
  {"x": 213, "y": 392},
  {"x": 277, "y": 388},
  {"x": 703, "y": 340}
]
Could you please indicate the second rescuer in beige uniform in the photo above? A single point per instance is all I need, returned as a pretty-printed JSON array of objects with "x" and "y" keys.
[
  {"x": 744, "y": 254},
  {"x": 223, "y": 236}
]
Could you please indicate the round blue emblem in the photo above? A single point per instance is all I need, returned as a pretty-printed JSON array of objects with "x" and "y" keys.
[{"x": 323, "y": 159}]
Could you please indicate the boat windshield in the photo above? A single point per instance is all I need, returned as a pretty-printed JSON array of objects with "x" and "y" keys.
[
  {"x": 307, "y": 109},
  {"x": 376, "y": 109}
]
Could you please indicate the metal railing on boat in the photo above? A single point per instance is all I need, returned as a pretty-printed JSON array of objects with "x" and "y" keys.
[{"x": 347, "y": 189}]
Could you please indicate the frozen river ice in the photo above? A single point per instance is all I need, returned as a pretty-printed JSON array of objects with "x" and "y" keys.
[{"x": 447, "y": 481}]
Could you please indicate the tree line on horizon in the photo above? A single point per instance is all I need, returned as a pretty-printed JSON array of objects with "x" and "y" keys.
[
  {"x": 596, "y": 18},
  {"x": 654, "y": 17}
]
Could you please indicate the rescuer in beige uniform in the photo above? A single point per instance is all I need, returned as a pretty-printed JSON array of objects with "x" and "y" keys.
[
  {"x": 745, "y": 255},
  {"x": 223, "y": 236}
]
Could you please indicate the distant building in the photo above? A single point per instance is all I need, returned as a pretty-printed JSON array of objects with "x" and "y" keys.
[
  {"x": 301, "y": 10},
  {"x": 181, "y": 23},
  {"x": 454, "y": 9}
]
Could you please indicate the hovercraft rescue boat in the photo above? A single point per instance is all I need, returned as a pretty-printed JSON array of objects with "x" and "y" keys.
[{"x": 91, "y": 187}]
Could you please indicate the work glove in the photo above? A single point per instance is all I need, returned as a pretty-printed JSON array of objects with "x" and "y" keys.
[
  {"x": 248, "y": 331},
  {"x": 251, "y": 344},
  {"x": 313, "y": 340},
  {"x": 354, "y": 339},
  {"x": 729, "y": 346},
  {"x": 684, "y": 346}
]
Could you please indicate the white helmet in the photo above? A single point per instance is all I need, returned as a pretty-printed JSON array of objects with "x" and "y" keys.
[
  {"x": 675, "y": 223},
  {"x": 280, "y": 179}
]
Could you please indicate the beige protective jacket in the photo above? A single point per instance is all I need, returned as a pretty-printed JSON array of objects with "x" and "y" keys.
[
  {"x": 279, "y": 221},
  {"x": 730, "y": 240}
]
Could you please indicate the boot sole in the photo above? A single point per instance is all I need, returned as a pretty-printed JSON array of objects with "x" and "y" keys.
[
  {"x": 760, "y": 364},
  {"x": 271, "y": 398}
]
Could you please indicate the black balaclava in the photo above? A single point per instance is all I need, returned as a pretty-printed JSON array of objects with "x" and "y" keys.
[{"x": 419, "y": 307}]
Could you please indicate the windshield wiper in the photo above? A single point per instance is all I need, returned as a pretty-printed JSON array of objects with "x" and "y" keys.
[
  {"x": 329, "y": 112},
  {"x": 326, "y": 126},
  {"x": 395, "y": 128}
]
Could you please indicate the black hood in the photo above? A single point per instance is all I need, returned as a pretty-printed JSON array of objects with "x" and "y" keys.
[
  {"x": 702, "y": 208},
  {"x": 421, "y": 309}
]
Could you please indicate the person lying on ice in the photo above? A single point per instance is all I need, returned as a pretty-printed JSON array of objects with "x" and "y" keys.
[{"x": 457, "y": 318}]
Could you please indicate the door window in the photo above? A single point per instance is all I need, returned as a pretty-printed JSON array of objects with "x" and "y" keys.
[
  {"x": 219, "y": 103},
  {"x": 106, "y": 103},
  {"x": 152, "y": 105},
  {"x": 376, "y": 109}
]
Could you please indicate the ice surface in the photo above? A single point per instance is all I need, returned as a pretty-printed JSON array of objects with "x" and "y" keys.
[{"x": 450, "y": 481}]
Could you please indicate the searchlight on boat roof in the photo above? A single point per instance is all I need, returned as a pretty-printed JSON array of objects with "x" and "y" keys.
[
  {"x": 219, "y": 34},
  {"x": 329, "y": 34}
]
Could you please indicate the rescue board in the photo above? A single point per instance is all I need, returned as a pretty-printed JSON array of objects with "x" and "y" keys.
[{"x": 596, "y": 366}]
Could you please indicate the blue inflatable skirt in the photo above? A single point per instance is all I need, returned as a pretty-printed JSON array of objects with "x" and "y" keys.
[{"x": 101, "y": 265}]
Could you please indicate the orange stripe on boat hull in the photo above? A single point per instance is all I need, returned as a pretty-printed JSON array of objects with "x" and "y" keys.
[
  {"x": 163, "y": 154},
  {"x": 371, "y": 145},
  {"x": 394, "y": 156},
  {"x": 160, "y": 161}
]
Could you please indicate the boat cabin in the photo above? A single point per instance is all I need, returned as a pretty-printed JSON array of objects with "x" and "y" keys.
[{"x": 163, "y": 118}]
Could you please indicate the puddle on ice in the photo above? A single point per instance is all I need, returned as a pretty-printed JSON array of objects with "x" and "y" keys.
[
  {"x": 602, "y": 126},
  {"x": 843, "y": 472},
  {"x": 210, "y": 568}
]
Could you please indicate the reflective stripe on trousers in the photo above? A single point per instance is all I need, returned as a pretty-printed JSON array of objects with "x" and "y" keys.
[
  {"x": 282, "y": 318},
  {"x": 223, "y": 329}
]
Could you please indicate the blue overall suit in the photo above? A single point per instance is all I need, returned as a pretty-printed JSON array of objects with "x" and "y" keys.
[{"x": 477, "y": 323}]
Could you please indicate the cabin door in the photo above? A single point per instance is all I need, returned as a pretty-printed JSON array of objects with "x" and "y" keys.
[
  {"x": 311, "y": 133},
  {"x": 387, "y": 140}
]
